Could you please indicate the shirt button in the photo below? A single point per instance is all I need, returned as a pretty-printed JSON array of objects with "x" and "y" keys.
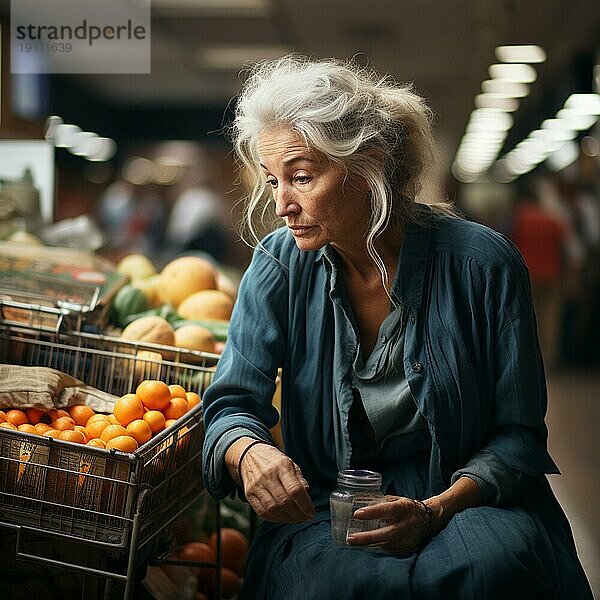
[
  {"x": 383, "y": 338},
  {"x": 413, "y": 319},
  {"x": 417, "y": 367}
]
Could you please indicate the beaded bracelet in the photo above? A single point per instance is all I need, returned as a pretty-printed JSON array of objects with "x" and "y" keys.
[
  {"x": 239, "y": 465},
  {"x": 428, "y": 513}
]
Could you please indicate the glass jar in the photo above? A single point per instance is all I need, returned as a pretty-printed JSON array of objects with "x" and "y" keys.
[{"x": 356, "y": 488}]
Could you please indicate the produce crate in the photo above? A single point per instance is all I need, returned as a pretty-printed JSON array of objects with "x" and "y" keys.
[{"x": 108, "y": 498}]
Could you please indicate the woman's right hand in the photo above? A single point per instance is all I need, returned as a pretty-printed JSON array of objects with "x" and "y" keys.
[{"x": 273, "y": 484}]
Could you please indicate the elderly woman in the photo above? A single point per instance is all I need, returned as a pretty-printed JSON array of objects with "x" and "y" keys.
[{"x": 407, "y": 344}]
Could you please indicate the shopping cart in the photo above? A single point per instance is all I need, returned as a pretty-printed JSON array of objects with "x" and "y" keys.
[{"x": 110, "y": 504}]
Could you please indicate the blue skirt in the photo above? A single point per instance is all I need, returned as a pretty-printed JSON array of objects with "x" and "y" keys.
[{"x": 511, "y": 552}]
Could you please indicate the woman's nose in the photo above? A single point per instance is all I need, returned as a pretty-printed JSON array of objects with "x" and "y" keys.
[{"x": 285, "y": 203}]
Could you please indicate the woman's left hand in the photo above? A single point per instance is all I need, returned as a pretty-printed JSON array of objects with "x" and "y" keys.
[{"x": 409, "y": 525}]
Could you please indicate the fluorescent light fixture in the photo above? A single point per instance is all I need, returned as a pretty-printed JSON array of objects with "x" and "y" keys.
[
  {"x": 519, "y": 73},
  {"x": 235, "y": 57},
  {"x": 496, "y": 101},
  {"x": 84, "y": 143},
  {"x": 105, "y": 149},
  {"x": 585, "y": 103},
  {"x": 564, "y": 156},
  {"x": 463, "y": 174},
  {"x": 512, "y": 89},
  {"x": 520, "y": 54},
  {"x": 491, "y": 118},
  {"x": 575, "y": 119},
  {"x": 66, "y": 135}
]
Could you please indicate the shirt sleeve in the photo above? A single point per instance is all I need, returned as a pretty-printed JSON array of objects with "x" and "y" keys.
[
  {"x": 217, "y": 464},
  {"x": 498, "y": 483},
  {"x": 516, "y": 448},
  {"x": 241, "y": 393}
]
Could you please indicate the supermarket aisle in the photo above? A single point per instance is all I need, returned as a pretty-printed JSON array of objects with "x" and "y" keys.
[{"x": 573, "y": 421}]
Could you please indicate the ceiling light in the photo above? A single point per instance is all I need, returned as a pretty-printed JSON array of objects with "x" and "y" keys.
[
  {"x": 564, "y": 156},
  {"x": 519, "y": 73},
  {"x": 235, "y": 57},
  {"x": 496, "y": 101},
  {"x": 576, "y": 119},
  {"x": 520, "y": 54},
  {"x": 66, "y": 135},
  {"x": 585, "y": 103},
  {"x": 84, "y": 144},
  {"x": 490, "y": 119},
  {"x": 512, "y": 89}
]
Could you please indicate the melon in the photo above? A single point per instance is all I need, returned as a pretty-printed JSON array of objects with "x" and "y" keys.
[
  {"x": 207, "y": 304},
  {"x": 195, "y": 337},
  {"x": 183, "y": 277},
  {"x": 136, "y": 266},
  {"x": 154, "y": 330}
]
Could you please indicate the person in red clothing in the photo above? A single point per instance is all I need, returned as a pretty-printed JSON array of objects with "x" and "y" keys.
[{"x": 541, "y": 236}]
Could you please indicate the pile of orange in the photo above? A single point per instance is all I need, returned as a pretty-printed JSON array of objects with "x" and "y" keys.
[
  {"x": 234, "y": 551},
  {"x": 135, "y": 419}
]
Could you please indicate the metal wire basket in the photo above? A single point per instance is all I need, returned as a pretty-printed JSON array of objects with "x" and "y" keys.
[{"x": 110, "y": 499}]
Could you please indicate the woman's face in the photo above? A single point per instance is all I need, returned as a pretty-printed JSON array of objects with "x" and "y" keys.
[{"x": 318, "y": 203}]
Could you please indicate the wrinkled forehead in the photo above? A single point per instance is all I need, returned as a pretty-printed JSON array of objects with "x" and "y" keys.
[{"x": 279, "y": 144}]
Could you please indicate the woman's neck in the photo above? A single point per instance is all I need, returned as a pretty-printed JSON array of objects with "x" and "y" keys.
[{"x": 358, "y": 265}]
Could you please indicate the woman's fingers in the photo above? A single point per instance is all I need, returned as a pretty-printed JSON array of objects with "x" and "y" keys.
[
  {"x": 406, "y": 525},
  {"x": 275, "y": 487}
]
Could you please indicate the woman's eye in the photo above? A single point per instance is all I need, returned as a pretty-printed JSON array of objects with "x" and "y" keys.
[
  {"x": 302, "y": 178},
  {"x": 271, "y": 182}
]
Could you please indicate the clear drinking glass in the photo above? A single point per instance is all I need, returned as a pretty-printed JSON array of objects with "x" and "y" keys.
[{"x": 356, "y": 488}]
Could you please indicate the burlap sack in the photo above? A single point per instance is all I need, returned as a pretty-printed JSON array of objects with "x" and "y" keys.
[{"x": 44, "y": 388}]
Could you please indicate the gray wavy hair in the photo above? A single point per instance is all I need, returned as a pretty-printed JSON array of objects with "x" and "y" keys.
[{"x": 371, "y": 126}]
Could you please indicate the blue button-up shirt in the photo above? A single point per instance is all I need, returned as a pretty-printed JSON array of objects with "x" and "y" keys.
[{"x": 470, "y": 357}]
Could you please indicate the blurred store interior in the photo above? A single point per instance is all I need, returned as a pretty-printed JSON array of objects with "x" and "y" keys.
[{"x": 140, "y": 163}]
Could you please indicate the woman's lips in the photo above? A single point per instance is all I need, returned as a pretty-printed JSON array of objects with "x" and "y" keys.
[{"x": 299, "y": 230}]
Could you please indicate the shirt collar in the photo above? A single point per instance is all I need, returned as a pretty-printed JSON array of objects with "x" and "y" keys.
[{"x": 409, "y": 279}]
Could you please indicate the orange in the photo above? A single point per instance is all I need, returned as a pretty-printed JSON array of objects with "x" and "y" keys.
[
  {"x": 27, "y": 428},
  {"x": 95, "y": 428},
  {"x": 192, "y": 399},
  {"x": 125, "y": 443},
  {"x": 57, "y": 414},
  {"x": 16, "y": 417},
  {"x": 41, "y": 428},
  {"x": 198, "y": 552},
  {"x": 234, "y": 548},
  {"x": 113, "y": 420},
  {"x": 2, "y": 416},
  {"x": 113, "y": 431},
  {"x": 155, "y": 419},
  {"x": 96, "y": 443},
  {"x": 63, "y": 423},
  {"x": 83, "y": 431},
  {"x": 170, "y": 422},
  {"x": 177, "y": 391},
  {"x": 7, "y": 425},
  {"x": 140, "y": 431},
  {"x": 128, "y": 409},
  {"x": 53, "y": 433},
  {"x": 176, "y": 408},
  {"x": 154, "y": 394},
  {"x": 72, "y": 436},
  {"x": 97, "y": 417},
  {"x": 34, "y": 415},
  {"x": 80, "y": 414}
]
